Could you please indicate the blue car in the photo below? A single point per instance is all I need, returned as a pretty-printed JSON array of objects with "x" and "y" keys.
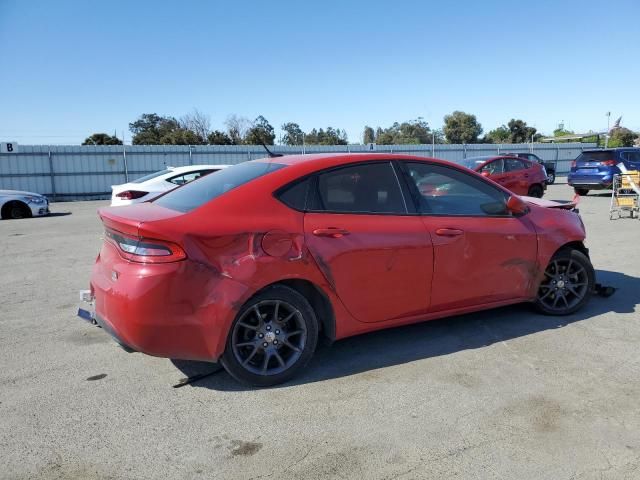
[{"x": 594, "y": 169}]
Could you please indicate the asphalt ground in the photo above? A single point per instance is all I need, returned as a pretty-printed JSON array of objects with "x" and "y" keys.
[{"x": 501, "y": 394}]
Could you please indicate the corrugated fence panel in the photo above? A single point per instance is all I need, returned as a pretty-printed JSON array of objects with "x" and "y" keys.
[{"x": 77, "y": 172}]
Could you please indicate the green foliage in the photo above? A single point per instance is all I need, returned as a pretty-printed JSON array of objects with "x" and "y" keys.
[
  {"x": 330, "y": 136},
  {"x": 461, "y": 127},
  {"x": 622, "y": 137},
  {"x": 152, "y": 129},
  {"x": 219, "y": 138},
  {"x": 102, "y": 139},
  {"x": 520, "y": 132},
  {"x": 368, "y": 136},
  {"x": 292, "y": 134},
  {"x": 497, "y": 135},
  {"x": 411, "y": 132},
  {"x": 260, "y": 132},
  {"x": 559, "y": 132}
]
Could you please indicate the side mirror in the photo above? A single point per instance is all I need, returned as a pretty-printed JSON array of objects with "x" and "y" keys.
[
  {"x": 485, "y": 174},
  {"x": 516, "y": 205}
]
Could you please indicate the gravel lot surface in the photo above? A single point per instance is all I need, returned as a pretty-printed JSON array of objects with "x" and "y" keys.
[{"x": 501, "y": 394}]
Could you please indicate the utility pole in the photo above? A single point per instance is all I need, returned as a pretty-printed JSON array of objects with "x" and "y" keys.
[{"x": 606, "y": 137}]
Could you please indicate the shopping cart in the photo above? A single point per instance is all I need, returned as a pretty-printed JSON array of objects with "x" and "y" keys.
[{"x": 625, "y": 195}]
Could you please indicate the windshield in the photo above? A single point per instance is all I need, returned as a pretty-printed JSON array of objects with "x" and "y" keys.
[
  {"x": 150, "y": 176},
  {"x": 474, "y": 162},
  {"x": 599, "y": 156},
  {"x": 205, "y": 189}
]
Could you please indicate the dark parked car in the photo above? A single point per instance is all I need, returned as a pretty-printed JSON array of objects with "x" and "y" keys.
[
  {"x": 549, "y": 166},
  {"x": 594, "y": 169}
]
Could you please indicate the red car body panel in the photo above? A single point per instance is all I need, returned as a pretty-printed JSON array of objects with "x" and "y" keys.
[
  {"x": 382, "y": 271},
  {"x": 518, "y": 181}
]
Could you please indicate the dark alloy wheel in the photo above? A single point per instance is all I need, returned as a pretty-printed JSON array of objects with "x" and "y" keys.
[
  {"x": 536, "y": 191},
  {"x": 551, "y": 178},
  {"x": 581, "y": 191},
  {"x": 567, "y": 285},
  {"x": 272, "y": 338},
  {"x": 17, "y": 210}
]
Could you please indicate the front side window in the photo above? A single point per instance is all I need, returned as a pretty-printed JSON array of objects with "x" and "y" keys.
[
  {"x": 365, "y": 188},
  {"x": 447, "y": 191},
  {"x": 493, "y": 168}
]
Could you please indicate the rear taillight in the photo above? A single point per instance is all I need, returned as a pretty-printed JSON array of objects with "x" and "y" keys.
[
  {"x": 145, "y": 250},
  {"x": 608, "y": 163},
  {"x": 131, "y": 194}
]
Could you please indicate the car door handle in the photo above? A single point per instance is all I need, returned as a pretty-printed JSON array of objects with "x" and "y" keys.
[
  {"x": 448, "y": 232},
  {"x": 331, "y": 232}
]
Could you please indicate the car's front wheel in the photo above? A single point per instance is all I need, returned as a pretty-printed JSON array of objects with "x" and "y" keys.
[
  {"x": 568, "y": 282},
  {"x": 272, "y": 338}
]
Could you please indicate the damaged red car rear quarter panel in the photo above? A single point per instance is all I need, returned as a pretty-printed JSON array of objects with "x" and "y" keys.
[{"x": 226, "y": 264}]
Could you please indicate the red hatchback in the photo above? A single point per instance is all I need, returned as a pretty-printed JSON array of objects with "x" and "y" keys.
[
  {"x": 518, "y": 175},
  {"x": 250, "y": 265}
]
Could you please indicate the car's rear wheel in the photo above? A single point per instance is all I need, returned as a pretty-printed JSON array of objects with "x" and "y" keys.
[
  {"x": 16, "y": 210},
  {"x": 551, "y": 178},
  {"x": 536, "y": 191},
  {"x": 581, "y": 191},
  {"x": 568, "y": 282},
  {"x": 272, "y": 338}
]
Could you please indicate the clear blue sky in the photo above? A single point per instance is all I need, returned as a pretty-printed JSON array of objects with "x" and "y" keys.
[{"x": 71, "y": 68}]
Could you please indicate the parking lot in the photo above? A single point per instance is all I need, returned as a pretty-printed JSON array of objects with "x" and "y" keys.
[{"x": 500, "y": 394}]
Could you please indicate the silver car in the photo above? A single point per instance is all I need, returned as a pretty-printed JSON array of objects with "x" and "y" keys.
[{"x": 17, "y": 204}]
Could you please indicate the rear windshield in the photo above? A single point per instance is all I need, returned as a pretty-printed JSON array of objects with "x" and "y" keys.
[
  {"x": 205, "y": 189},
  {"x": 595, "y": 156},
  {"x": 150, "y": 176}
]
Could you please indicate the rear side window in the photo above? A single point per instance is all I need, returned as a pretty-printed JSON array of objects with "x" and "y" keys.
[
  {"x": 150, "y": 176},
  {"x": 189, "y": 177},
  {"x": 513, "y": 165},
  {"x": 595, "y": 156},
  {"x": 195, "y": 194},
  {"x": 295, "y": 196},
  {"x": 365, "y": 188}
]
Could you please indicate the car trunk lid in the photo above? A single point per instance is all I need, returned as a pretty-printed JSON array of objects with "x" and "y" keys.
[{"x": 133, "y": 219}]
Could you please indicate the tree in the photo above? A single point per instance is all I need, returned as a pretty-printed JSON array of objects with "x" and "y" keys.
[
  {"x": 559, "y": 132},
  {"x": 260, "y": 132},
  {"x": 237, "y": 128},
  {"x": 497, "y": 135},
  {"x": 520, "y": 132},
  {"x": 219, "y": 138},
  {"x": 461, "y": 127},
  {"x": 330, "y": 136},
  {"x": 622, "y": 137},
  {"x": 293, "y": 134},
  {"x": 152, "y": 129},
  {"x": 369, "y": 136},
  {"x": 102, "y": 139},
  {"x": 410, "y": 132},
  {"x": 182, "y": 136},
  {"x": 197, "y": 122}
]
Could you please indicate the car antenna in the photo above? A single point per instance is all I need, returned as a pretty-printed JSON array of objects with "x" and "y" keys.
[{"x": 271, "y": 154}]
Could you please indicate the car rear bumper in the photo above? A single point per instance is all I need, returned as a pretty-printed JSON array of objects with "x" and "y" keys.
[
  {"x": 591, "y": 182},
  {"x": 178, "y": 310}
]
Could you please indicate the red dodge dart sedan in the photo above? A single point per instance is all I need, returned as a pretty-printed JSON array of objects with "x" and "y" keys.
[
  {"x": 518, "y": 175},
  {"x": 248, "y": 267}
]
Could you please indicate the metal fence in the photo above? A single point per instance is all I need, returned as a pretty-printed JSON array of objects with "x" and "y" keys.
[{"x": 87, "y": 172}]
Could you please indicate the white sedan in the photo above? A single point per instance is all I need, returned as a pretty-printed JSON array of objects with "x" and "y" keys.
[
  {"x": 17, "y": 204},
  {"x": 151, "y": 186}
]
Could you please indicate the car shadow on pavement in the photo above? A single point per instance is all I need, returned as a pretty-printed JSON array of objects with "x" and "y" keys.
[{"x": 400, "y": 345}]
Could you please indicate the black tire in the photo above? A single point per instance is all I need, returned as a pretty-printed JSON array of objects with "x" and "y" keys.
[
  {"x": 583, "y": 192},
  {"x": 257, "y": 336},
  {"x": 568, "y": 282},
  {"x": 536, "y": 191},
  {"x": 551, "y": 178},
  {"x": 16, "y": 210}
]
